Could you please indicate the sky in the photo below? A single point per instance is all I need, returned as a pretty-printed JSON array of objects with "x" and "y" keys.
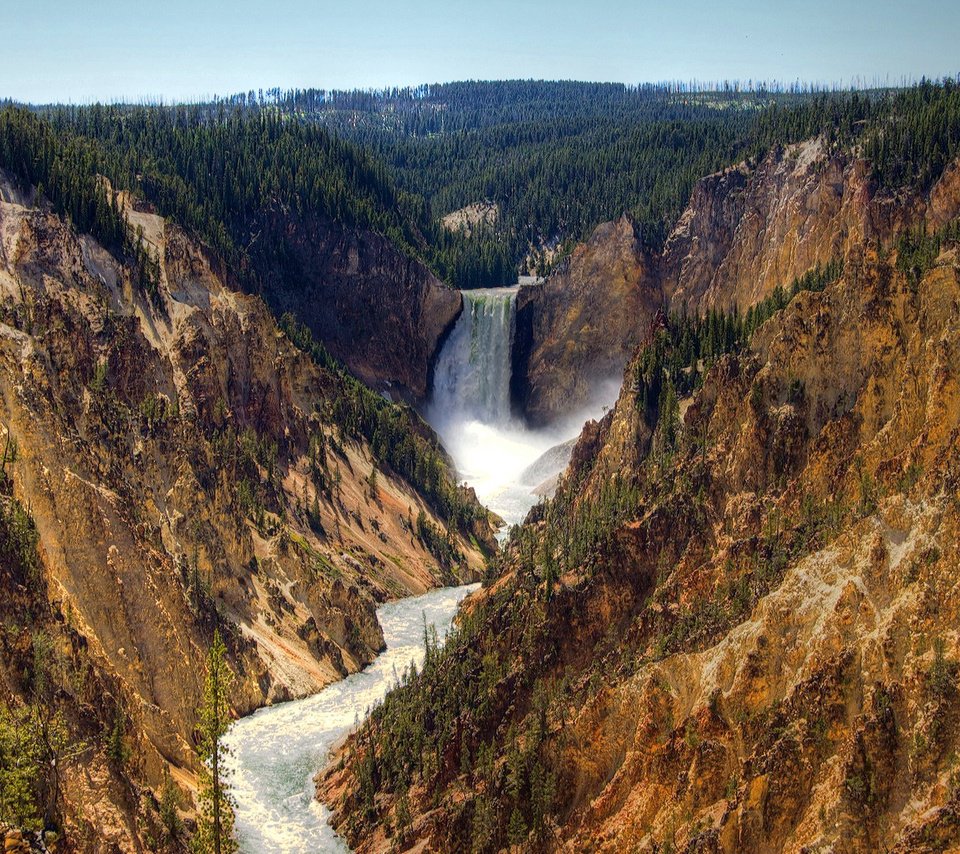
[{"x": 86, "y": 50}]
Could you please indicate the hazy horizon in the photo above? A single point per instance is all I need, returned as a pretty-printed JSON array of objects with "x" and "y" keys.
[
  {"x": 858, "y": 84},
  {"x": 60, "y": 52}
]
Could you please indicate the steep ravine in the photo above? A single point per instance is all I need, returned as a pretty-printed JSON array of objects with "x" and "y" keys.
[
  {"x": 187, "y": 466},
  {"x": 733, "y": 631}
]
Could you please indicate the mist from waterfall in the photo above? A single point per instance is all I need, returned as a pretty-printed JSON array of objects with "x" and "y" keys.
[{"x": 470, "y": 408}]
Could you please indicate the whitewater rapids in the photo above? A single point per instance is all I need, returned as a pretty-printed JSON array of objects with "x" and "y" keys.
[{"x": 276, "y": 751}]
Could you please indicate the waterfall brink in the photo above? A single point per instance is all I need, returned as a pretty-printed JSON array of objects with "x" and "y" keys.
[
  {"x": 470, "y": 408},
  {"x": 472, "y": 376}
]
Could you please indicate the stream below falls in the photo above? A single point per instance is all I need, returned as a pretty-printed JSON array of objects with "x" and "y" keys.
[{"x": 276, "y": 751}]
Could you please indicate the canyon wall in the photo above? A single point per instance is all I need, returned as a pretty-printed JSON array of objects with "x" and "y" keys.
[
  {"x": 380, "y": 312},
  {"x": 186, "y": 467},
  {"x": 745, "y": 231}
]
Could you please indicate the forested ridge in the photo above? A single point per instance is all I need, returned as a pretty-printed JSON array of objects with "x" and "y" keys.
[
  {"x": 216, "y": 175},
  {"x": 148, "y": 150},
  {"x": 557, "y": 158}
]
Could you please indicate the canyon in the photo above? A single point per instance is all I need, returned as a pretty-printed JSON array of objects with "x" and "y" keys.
[
  {"x": 182, "y": 466},
  {"x": 732, "y": 628},
  {"x": 700, "y": 483}
]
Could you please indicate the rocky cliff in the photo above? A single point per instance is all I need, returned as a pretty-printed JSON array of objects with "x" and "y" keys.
[
  {"x": 383, "y": 314},
  {"x": 745, "y": 231},
  {"x": 734, "y": 629},
  {"x": 185, "y": 466},
  {"x": 790, "y": 661},
  {"x": 575, "y": 332}
]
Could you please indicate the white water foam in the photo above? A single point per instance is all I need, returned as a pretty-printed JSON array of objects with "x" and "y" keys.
[{"x": 276, "y": 751}]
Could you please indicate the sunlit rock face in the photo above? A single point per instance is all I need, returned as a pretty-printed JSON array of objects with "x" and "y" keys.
[{"x": 745, "y": 231}]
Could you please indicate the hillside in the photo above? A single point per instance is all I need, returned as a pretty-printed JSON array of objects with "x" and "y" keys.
[
  {"x": 745, "y": 231},
  {"x": 292, "y": 213},
  {"x": 182, "y": 464},
  {"x": 733, "y": 628}
]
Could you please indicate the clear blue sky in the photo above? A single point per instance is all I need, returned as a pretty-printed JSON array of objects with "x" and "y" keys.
[{"x": 82, "y": 50}]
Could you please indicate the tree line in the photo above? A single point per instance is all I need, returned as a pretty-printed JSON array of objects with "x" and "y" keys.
[{"x": 557, "y": 158}]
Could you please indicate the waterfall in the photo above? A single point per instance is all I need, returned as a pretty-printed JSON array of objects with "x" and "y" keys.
[
  {"x": 470, "y": 408},
  {"x": 472, "y": 375}
]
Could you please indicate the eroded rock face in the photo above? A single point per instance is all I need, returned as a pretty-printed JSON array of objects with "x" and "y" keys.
[
  {"x": 576, "y": 331},
  {"x": 745, "y": 231},
  {"x": 761, "y": 656},
  {"x": 807, "y": 723},
  {"x": 178, "y": 456},
  {"x": 382, "y": 314}
]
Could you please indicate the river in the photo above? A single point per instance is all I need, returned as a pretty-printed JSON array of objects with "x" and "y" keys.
[{"x": 276, "y": 751}]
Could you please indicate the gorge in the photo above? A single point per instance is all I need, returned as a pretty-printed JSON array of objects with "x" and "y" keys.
[
  {"x": 700, "y": 479},
  {"x": 275, "y": 752}
]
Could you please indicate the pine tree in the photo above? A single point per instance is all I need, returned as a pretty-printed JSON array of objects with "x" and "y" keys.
[
  {"x": 21, "y": 764},
  {"x": 215, "y": 814},
  {"x": 117, "y": 748},
  {"x": 169, "y": 804},
  {"x": 517, "y": 831}
]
